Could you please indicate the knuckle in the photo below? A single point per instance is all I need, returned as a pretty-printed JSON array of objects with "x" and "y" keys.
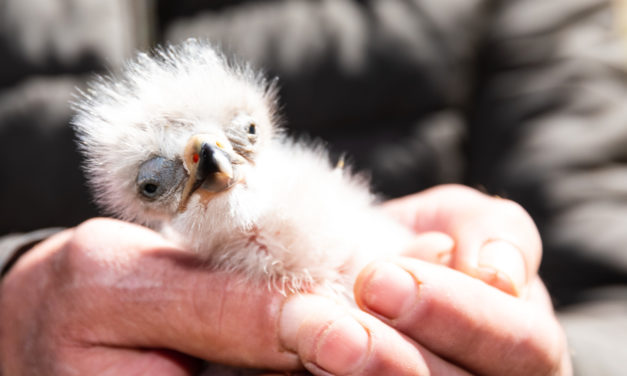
[
  {"x": 94, "y": 225},
  {"x": 555, "y": 350},
  {"x": 511, "y": 208},
  {"x": 88, "y": 248},
  {"x": 540, "y": 351},
  {"x": 457, "y": 190},
  {"x": 515, "y": 216},
  {"x": 73, "y": 257}
]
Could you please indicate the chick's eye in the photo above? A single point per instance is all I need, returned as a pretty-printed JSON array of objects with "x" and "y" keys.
[
  {"x": 252, "y": 128},
  {"x": 157, "y": 177},
  {"x": 149, "y": 189}
]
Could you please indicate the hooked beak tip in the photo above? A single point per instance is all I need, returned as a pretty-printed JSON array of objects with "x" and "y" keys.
[{"x": 208, "y": 166}]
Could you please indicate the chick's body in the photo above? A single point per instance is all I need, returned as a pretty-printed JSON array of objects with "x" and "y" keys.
[
  {"x": 296, "y": 220},
  {"x": 187, "y": 143}
]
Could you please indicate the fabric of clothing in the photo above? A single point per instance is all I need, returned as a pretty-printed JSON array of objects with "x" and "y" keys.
[{"x": 524, "y": 99}]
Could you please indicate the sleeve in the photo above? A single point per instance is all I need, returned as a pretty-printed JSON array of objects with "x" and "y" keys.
[{"x": 15, "y": 245}]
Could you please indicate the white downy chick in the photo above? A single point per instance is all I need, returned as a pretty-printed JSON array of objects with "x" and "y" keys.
[{"x": 187, "y": 143}]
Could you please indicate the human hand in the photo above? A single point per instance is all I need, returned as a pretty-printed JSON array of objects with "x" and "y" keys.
[
  {"x": 489, "y": 238},
  {"x": 119, "y": 299},
  {"x": 435, "y": 319},
  {"x": 113, "y": 298}
]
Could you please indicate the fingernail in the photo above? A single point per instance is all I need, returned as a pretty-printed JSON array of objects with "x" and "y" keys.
[
  {"x": 293, "y": 313},
  {"x": 432, "y": 246},
  {"x": 388, "y": 290},
  {"x": 336, "y": 344},
  {"x": 342, "y": 347},
  {"x": 444, "y": 258},
  {"x": 501, "y": 265}
]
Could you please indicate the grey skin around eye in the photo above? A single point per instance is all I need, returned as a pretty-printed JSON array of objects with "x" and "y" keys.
[{"x": 158, "y": 177}]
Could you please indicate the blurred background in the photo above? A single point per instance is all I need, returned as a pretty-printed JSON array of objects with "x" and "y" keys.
[{"x": 525, "y": 99}]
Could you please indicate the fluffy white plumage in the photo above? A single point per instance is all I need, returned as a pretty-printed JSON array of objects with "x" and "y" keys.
[{"x": 268, "y": 206}]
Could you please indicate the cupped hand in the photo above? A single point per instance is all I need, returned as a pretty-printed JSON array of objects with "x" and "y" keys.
[
  {"x": 467, "y": 301},
  {"x": 432, "y": 320},
  {"x": 115, "y": 298},
  {"x": 112, "y": 298}
]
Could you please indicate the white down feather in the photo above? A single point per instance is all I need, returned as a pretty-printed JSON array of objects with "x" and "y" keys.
[{"x": 296, "y": 221}]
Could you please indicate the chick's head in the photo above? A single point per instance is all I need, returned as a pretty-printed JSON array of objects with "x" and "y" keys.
[{"x": 176, "y": 131}]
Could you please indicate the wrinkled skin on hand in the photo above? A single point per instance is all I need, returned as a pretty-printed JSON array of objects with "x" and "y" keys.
[
  {"x": 114, "y": 298},
  {"x": 119, "y": 299}
]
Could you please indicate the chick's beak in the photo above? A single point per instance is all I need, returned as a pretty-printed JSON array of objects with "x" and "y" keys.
[{"x": 208, "y": 164}]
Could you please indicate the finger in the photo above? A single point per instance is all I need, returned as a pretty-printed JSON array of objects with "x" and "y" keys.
[
  {"x": 431, "y": 246},
  {"x": 334, "y": 340},
  {"x": 144, "y": 292},
  {"x": 462, "y": 319},
  {"x": 496, "y": 240}
]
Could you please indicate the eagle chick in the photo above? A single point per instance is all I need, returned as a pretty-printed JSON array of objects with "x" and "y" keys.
[{"x": 186, "y": 142}]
